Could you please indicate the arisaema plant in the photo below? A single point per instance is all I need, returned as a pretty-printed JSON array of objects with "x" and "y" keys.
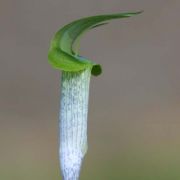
[{"x": 76, "y": 72}]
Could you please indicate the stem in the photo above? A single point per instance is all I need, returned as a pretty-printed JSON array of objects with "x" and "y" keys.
[{"x": 73, "y": 121}]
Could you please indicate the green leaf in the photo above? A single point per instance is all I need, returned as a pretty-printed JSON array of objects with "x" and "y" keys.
[{"x": 63, "y": 52}]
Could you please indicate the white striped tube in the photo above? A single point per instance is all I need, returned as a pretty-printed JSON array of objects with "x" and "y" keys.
[{"x": 73, "y": 121}]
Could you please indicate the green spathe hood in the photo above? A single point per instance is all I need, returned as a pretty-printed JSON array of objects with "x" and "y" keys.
[{"x": 63, "y": 52}]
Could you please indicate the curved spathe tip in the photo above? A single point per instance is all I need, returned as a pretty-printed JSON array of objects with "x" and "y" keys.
[{"x": 64, "y": 49}]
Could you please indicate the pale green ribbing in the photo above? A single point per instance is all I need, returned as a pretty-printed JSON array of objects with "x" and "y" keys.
[{"x": 73, "y": 121}]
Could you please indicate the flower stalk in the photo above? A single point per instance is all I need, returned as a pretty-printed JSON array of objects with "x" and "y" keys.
[{"x": 73, "y": 121}]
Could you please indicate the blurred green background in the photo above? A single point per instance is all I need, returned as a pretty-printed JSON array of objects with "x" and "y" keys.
[{"x": 134, "y": 115}]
